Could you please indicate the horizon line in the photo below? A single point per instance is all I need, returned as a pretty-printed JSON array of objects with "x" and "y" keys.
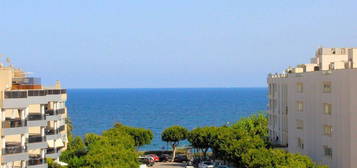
[{"x": 244, "y": 87}]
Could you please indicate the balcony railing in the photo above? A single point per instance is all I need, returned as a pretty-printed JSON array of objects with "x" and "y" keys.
[
  {"x": 35, "y": 160},
  {"x": 33, "y": 93},
  {"x": 15, "y": 94},
  {"x": 14, "y": 123},
  {"x": 52, "y": 150},
  {"x": 27, "y": 81},
  {"x": 50, "y": 112},
  {"x": 35, "y": 117},
  {"x": 60, "y": 111},
  {"x": 36, "y": 138},
  {"x": 51, "y": 131},
  {"x": 13, "y": 148},
  {"x": 54, "y": 112},
  {"x": 61, "y": 128}
]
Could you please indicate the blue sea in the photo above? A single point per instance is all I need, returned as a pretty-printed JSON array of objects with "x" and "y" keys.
[{"x": 95, "y": 110}]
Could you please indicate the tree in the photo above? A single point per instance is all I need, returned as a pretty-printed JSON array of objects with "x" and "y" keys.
[
  {"x": 141, "y": 136},
  {"x": 202, "y": 138},
  {"x": 174, "y": 135},
  {"x": 115, "y": 148}
]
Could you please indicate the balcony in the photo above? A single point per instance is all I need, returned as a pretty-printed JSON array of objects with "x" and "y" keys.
[
  {"x": 14, "y": 126},
  {"x": 52, "y": 153},
  {"x": 36, "y": 141},
  {"x": 26, "y": 83},
  {"x": 13, "y": 151},
  {"x": 36, "y": 119},
  {"x": 15, "y": 99},
  {"x": 36, "y": 161},
  {"x": 52, "y": 134},
  {"x": 54, "y": 114},
  {"x": 21, "y": 98}
]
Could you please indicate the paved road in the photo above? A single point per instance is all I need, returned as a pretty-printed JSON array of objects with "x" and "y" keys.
[{"x": 168, "y": 165}]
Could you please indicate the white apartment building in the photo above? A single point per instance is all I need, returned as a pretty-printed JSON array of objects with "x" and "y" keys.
[
  {"x": 33, "y": 120},
  {"x": 313, "y": 108}
]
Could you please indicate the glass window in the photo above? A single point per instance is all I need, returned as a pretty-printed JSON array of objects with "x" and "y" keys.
[
  {"x": 327, "y": 130},
  {"x": 300, "y": 87},
  {"x": 327, "y": 87},
  {"x": 327, "y": 151},
  {"x": 300, "y": 106},
  {"x": 300, "y": 143},
  {"x": 299, "y": 124},
  {"x": 327, "y": 109}
]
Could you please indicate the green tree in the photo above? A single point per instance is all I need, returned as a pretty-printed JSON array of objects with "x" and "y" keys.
[
  {"x": 111, "y": 151},
  {"x": 141, "y": 136},
  {"x": 173, "y": 135},
  {"x": 202, "y": 138}
]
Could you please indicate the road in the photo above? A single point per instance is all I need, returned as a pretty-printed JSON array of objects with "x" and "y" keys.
[{"x": 168, "y": 165}]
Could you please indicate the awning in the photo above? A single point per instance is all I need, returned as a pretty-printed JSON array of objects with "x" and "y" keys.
[
  {"x": 58, "y": 143},
  {"x": 51, "y": 143}
]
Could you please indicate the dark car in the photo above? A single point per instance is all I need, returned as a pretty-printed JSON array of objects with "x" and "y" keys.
[
  {"x": 165, "y": 157},
  {"x": 181, "y": 158}
]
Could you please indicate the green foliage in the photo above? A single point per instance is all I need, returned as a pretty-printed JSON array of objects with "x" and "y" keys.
[
  {"x": 245, "y": 144},
  {"x": 275, "y": 158},
  {"x": 202, "y": 138},
  {"x": 174, "y": 134},
  {"x": 141, "y": 136},
  {"x": 52, "y": 164},
  {"x": 115, "y": 148}
]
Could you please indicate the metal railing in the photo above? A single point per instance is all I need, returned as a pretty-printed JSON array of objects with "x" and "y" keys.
[
  {"x": 13, "y": 149},
  {"x": 50, "y": 112},
  {"x": 35, "y": 117},
  {"x": 55, "y": 112},
  {"x": 61, "y": 128},
  {"x": 35, "y": 160},
  {"x": 52, "y": 150},
  {"x": 14, "y": 123},
  {"x": 15, "y": 94},
  {"x": 32, "y": 93},
  {"x": 60, "y": 111},
  {"x": 36, "y": 138},
  {"x": 51, "y": 131}
]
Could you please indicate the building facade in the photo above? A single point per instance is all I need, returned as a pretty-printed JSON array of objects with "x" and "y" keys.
[
  {"x": 313, "y": 108},
  {"x": 33, "y": 120}
]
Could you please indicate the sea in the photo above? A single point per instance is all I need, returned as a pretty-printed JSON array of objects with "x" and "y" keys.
[{"x": 95, "y": 110}]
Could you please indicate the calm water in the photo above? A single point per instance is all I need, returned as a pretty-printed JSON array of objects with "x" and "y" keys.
[{"x": 94, "y": 110}]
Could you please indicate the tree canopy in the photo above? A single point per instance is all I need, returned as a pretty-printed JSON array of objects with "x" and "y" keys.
[
  {"x": 115, "y": 148},
  {"x": 174, "y": 135}
]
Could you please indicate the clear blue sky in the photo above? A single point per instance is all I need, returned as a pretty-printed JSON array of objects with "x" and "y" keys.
[{"x": 169, "y": 43}]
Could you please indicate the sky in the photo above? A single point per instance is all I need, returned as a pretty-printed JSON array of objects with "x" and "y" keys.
[{"x": 169, "y": 43}]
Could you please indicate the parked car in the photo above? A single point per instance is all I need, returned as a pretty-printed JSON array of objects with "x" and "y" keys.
[
  {"x": 206, "y": 164},
  {"x": 153, "y": 156},
  {"x": 181, "y": 158},
  {"x": 164, "y": 157},
  {"x": 147, "y": 161}
]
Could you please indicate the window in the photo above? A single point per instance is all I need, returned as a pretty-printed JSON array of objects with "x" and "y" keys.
[
  {"x": 299, "y": 124},
  {"x": 327, "y": 151},
  {"x": 327, "y": 87},
  {"x": 300, "y": 87},
  {"x": 327, "y": 130},
  {"x": 300, "y": 143},
  {"x": 327, "y": 109},
  {"x": 300, "y": 106}
]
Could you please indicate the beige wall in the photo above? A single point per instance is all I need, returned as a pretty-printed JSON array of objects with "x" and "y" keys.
[{"x": 341, "y": 119}]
